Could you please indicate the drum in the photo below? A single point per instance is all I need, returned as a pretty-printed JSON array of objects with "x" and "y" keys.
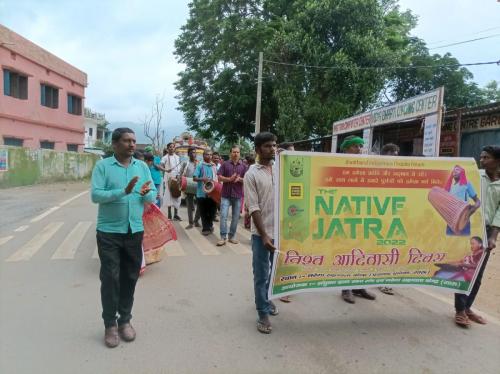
[
  {"x": 175, "y": 187},
  {"x": 188, "y": 185},
  {"x": 213, "y": 189},
  {"x": 454, "y": 211}
]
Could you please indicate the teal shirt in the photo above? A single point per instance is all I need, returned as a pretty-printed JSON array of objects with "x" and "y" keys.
[{"x": 118, "y": 211}]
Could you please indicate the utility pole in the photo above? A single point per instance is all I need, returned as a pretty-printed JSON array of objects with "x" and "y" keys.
[{"x": 259, "y": 94}]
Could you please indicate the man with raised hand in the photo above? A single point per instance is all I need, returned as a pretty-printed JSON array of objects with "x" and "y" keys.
[{"x": 121, "y": 185}]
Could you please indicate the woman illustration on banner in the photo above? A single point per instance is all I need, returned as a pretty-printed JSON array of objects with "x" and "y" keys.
[
  {"x": 464, "y": 269},
  {"x": 458, "y": 186}
]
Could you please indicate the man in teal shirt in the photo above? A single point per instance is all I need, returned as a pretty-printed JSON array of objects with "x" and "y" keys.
[{"x": 121, "y": 185}]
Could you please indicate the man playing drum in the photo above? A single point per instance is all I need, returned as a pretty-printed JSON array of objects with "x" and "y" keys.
[{"x": 172, "y": 196}]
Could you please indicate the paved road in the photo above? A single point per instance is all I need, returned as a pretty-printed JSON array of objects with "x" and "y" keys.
[{"x": 194, "y": 311}]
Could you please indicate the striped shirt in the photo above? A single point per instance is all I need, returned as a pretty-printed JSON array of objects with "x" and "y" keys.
[{"x": 259, "y": 195}]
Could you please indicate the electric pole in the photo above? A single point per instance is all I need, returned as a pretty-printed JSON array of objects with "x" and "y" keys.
[{"x": 259, "y": 94}]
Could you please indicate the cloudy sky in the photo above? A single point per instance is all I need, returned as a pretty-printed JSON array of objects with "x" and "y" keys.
[{"x": 126, "y": 47}]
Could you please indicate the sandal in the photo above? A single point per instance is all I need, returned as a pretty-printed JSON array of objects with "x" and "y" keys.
[
  {"x": 263, "y": 328},
  {"x": 462, "y": 320},
  {"x": 475, "y": 317},
  {"x": 274, "y": 309},
  {"x": 387, "y": 290},
  {"x": 285, "y": 299}
]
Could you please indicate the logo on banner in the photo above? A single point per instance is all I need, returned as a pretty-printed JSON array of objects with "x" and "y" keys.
[
  {"x": 297, "y": 168},
  {"x": 295, "y": 191},
  {"x": 293, "y": 210}
]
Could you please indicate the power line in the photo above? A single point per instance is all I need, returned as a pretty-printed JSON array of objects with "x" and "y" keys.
[
  {"x": 466, "y": 41},
  {"x": 463, "y": 35},
  {"x": 339, "y": 67}
]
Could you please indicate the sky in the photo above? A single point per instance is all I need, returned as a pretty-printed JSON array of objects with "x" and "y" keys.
[{"x": 126, "y": 47}]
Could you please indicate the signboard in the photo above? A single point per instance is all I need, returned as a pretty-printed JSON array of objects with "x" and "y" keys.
[
  {"x": 431, "y": 138},
  {"x": 353, "y": 221},
  {"x": 418, "y": 106},
  {"x": 4, "y": 159}
]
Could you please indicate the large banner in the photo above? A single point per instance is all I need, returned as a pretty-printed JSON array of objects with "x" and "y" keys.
[{"x": 349, "y": 222}]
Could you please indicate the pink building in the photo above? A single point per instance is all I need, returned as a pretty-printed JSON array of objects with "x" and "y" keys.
[{"x": 41, "y": 97}]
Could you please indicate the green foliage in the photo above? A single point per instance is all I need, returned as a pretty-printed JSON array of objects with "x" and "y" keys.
[
  {"x": 434, "y": 71},
  {"x": 219, "y": 46},
  {"x": 220, "y": 43}
]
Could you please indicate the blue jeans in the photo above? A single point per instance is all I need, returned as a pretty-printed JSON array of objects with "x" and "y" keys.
[
  {"x": 235, "y": 204},
  {"x": 262, "y": 261}
]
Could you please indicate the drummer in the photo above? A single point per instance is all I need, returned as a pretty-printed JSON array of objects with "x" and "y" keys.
[
  {"x": 172, "y": 164},
  {"x": 205, "y": 172},
  {"x": 188, "y": 169}
]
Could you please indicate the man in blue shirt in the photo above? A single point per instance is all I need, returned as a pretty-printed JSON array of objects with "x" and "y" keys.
[
  {"x": 121, "y": 185},
  {"x": 205, "y": 172},
  {"x": 153, "y": 163}
]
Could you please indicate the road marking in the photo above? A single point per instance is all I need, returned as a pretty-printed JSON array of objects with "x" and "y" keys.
[
  {"x": 53, "y": 209},
  {"x": 96, "y": 253},
  {"x": 203, "y": 245},
  {"x": 21, "y": 228},
  {"x": 69, "y": 246},
  {"x": 5, "y": 239},
  {"x": 73, "y": 198},
  {"x": 448, "y": 301},
  {"x": 239, "y": 248},
  {"x": 173, "y": 248},
  {"x": 45, "y": 214},
  {"x": 30, "y": 248}
]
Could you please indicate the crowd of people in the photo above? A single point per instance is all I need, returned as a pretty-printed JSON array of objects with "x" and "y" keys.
[{"x": 122, "y": 184}]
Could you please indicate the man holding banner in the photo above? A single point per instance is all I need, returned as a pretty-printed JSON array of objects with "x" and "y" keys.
[
  {"x": 259, "y": 195},
  {"x": 352, "y": 145},
  {"x": 490, "y": 162}
]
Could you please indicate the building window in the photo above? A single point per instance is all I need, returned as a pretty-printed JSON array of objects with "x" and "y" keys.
[
  {"x": 45, "y": 144},
  {"x": 91, "y": 131},
  {"x": 72, "y": 147},
  {"x": 16, "y": 142},
  {"x": 49, "y": 96},
  {"x": 74, "y": 105},
  {"x": 15, "y": 84}
]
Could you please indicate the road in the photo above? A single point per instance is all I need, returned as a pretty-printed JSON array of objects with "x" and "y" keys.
[{"x": 194, "y": 311}]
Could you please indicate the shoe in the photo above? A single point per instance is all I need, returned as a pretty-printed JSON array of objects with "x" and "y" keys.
[
  {"x": 221, "y": 242},
  {"x": 475, "y": 317},
  {"x": 364, "y": 293},
  {"x": 126, "y": 332},
  {"x": 348, "y": 297},
  {"x": 197, "y": 224},
  {"x": 462, "y": 320},
  {"x": 206, "y": 232},
  {"x": 111, "y": 338},
  {"x": 387, "y": 290},
  {"x": 234, "y": 241},
  {"x": 177, "y": 218},
  {"x": 190, "y": 226}
]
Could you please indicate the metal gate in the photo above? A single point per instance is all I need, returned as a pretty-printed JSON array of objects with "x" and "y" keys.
[{"x": 472, "y": 143}]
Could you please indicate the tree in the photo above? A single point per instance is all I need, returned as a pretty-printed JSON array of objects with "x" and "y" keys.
[
  {"x": 491, "y": 92},
  {"x": 219, "y": 46},
  {"x": 153, "y": 129},
  {"x": 422, "y": 72}
]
